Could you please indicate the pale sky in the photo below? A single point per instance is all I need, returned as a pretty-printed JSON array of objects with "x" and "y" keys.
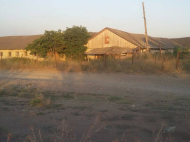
[{"x": 165, "y": 18}]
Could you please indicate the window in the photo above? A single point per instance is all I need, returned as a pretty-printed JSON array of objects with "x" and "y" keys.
[
  {"x": 9, "y": 54},
  {"x": 106, "y": 40},
  {"x": 1, "y": 54},
  {"x": 17, "y": 54},
  {"x": 25, "y": 54}
]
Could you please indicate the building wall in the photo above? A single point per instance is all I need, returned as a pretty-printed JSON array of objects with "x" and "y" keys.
[
  {"x": 114, "y": 40},
  {"x": 16, "y": 53},
  {"x": 4, "y": 54}
]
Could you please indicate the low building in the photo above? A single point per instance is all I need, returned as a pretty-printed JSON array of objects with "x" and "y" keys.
[
  {"x": 14, "y": 46},
  {"x": 106, "y": 42},
  {"x": 116, "y": 42}
]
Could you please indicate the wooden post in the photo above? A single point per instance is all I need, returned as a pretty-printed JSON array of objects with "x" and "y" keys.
[
  {"x": 147, "y": 45},
  {"x": 133, "y": 56},
  {"x": 177, "y": 61},
  {"x": 105, "y": 64},
  {"x": 162, "y": 62}
]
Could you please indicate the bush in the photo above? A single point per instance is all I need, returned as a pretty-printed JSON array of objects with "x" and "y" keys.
[{"x": 40, "y": 101}]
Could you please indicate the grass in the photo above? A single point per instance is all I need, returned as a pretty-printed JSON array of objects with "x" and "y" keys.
[
  {"x": 122, "y": 126},
  {"x": 114, "y": 99},
  {"x": 120, "y": 118},
  {"x": 128, "y": 117},
  {"x": 3, "y": 130},
  {"x": 67, "y": 96},
  {"x": 40, "y": 113},
  {"x": 150, "y": 119},
  {"x": 145, "y": 63},
  {"x": 40, "y": 101},
  {"x": 76, "y": 113}
]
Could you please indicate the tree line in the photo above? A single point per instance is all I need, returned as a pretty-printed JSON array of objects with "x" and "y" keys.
[{"x": 70, "y": 43}]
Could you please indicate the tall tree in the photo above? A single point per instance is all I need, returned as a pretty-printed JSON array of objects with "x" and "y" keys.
[
  {"x": 50, "y": 41},
  {"x": 75, "y": 39}
]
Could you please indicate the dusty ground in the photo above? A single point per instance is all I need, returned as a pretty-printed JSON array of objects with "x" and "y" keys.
[{"x": 136, "y": 105}]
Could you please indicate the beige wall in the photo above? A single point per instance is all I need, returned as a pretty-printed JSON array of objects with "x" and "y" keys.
[
  {"x": 114, "y": 40},
  {"x": 26, "y": 54},
  {"x": 16, "y": 53}
]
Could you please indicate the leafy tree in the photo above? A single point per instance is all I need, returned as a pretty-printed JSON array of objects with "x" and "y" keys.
[
  {"x": 75, "y": 40},
  {"x": 50, "y": 41}
]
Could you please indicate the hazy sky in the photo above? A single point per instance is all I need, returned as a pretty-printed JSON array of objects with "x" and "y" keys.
[{"x": 165, "y": 18}]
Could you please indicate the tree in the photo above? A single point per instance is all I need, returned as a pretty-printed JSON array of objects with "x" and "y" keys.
[
  {"x": 51, "y": 41},
  {"x": 75, "y": 39}
]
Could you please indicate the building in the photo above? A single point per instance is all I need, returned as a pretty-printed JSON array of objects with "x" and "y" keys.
[
  {"x": 106, "y": 42},
  {"x": 14, "y": 46},
  {"x": 115, "y": 42}
]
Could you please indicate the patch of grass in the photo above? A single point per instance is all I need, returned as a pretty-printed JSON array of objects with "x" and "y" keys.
[
  {"x": 76, "y": 113},
  {"x": 114, "y": 99},
  {"x": 3, "y": 130},
  {"x": 112, "y": 118},
  {"x": 48, "y": 129},
  {"x": 167, "y": 116},
  {"x": 134, "y": 110},
  {"x": 53, "y": 106},
  {"x": 90, "y": 115},
  {"x": 85, "y": 98},
  {"x": 6, "y": 109},
  {"x": 150, "y": 119},
  {"x": 124, "y": 102},
  {"x": 148, "y": 132},
  {"x": 67, "y": 96},
  {"x": 62, "y": 118},
  {"x": 81, "y": 107},
  {"x": 40, "y": 113},
  {"x": 104, "y": 110},
  {"x": 186, "y": 99},
  {"x": 40, "y": 101},
  {"x": 128, "y": 117},
  {"x": 122, "y": 126}
]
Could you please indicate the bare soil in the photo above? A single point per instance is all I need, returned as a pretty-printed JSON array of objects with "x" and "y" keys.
[{"x": 133, "y": 106}]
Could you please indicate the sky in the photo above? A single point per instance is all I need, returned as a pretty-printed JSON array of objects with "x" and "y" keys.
[{"x": 165, "y": 18}]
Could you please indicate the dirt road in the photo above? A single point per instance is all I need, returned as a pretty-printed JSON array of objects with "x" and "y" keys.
[
  {"x": 99, "y": 83},
  {"x": 140, "y": 104}
]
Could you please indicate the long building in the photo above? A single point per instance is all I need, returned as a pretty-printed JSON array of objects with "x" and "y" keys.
[
  {"x": 107, "y": 41},
  {"x": 117, "y": 42}
]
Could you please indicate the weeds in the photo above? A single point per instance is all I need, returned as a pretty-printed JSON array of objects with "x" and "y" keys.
[
  {"x": 145, "y": 63},
  {"x": 114, "y": 98},
  {"x": 40, "y": 101},
  {"x": 3, "y": 130}
]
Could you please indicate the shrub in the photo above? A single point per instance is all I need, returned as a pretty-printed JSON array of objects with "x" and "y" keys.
[{"x": 40, "y": 101}]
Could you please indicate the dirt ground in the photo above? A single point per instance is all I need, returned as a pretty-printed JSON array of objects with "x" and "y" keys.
[{"x": 123, "y": 107}]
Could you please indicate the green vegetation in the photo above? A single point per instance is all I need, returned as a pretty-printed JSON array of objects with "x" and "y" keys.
[
  {"x": 3, "y": 130},
  {"x": 75, "y": 39},
  {"x": 146, "y": 63},
  {"x": 40, "y": 101},
  {"x": 114, "y": 98},
  {"x": 51, "y": 41},
  {"x": 69, "y": 42}
]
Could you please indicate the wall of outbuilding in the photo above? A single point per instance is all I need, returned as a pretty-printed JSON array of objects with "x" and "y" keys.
[{"x": 114, "y": 40}]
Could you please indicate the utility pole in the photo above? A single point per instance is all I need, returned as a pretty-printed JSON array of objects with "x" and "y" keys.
[{"x": 147, "y": 45}]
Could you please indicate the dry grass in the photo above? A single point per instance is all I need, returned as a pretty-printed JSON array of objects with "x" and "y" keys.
[{"x": 146, "y": 63}]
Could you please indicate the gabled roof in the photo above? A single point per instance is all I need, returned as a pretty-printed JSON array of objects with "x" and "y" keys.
[
  {"x": 185, "y": 41},
  {"x": 16, "y": 42},
  {"x": 139, "y": 39}
]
